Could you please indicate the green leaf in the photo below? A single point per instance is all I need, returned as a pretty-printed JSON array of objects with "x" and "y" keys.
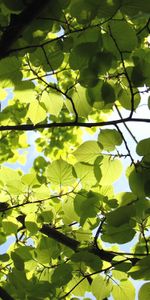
[
  {"x": 86, "y": 204},
  {"x": 100, "y": 287},
  {"x": 108, "y": 93},
  {"x": 29, "y": 179},
  {"x": 125, "y": 290},
  {"x": 31, "y": 223},
  {"x": 43, "y": 256},
  {"x": 7, "y": 174},
  {"x": 4, "y": 257},
  {"x": 79, "y": 289},
  {"x": 3, "y": 94},
  {"x": 41, "y": 192},
  {"x": 121, "y": 235},
  {"x": 15, "y": 187},
  {"x": 62, "y": 275},
  {"x": 80, "y": 101},
  {"x": 43, "y": 290},
  {"x": 25, "y": 92},
  {"x": 119, "y": 275},
  {"x": 53, "y": 103},
  {"x": 36, "y": 113},
  {"x": 138, "y": 76},
  {"x": 46, "y": 216},
  {"x": 123, "y": 34},
  {"x": 134, "y": 6},
  {"x": 80, "y": 55},
  {"x": 8, "y": 67},
  {"x": 107, "y": 9},
  {"x": 94, "y": 96},
  {"x": 50, "y": 245},
  {"x": 141, "y": 270},
  {"x": 144, "y": 292},
  {"x": 88, "y": 152},
  {"x": 82, "y": 10},
  {"x": 91, "y": 35},
  {"x": 55, "y": 56},
  {"x": 10, "y": 225},
  {"x": 25, "y": 252},
  {"x": 69, "y": 214},
  {"x": 88, "y": 78},
  {"x": 89, "y": 259},
  {"x": 101, "y": 62},
  {"x": 136, "y": 181},
  {"x": 143, "y": 147},
  {"x": 18, "y": 261},
  {"x": 109, "y": 138},
  {"x": 124, "y": 97},
  {"x": 60, "y": 172},
  {"x": 110, "y": 170},
  {"x": 86, "y": 175},
  {"x": 120, "y": 216}
]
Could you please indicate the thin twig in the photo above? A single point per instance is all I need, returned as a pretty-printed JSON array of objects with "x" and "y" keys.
[
  {"x": 125, "y": 125},
  {"x": 125, "y": 72},
  {"x": 125, "y": 142}
]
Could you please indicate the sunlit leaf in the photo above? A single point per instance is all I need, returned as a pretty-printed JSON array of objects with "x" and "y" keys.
[
  {"x": 60, "y": 172},
  {"x": 109, "y": 138},
  {"x": 111, "y": 170},
  {"x": 36, "y": 112},
  {"x": 88, "y": 151},
  {"x": 125, "y": 290},
  {"x": 53, "y": 103},
  {"x": 80, "y": 102},
  {"x": 24, "y": 92},
  {"x": 101, "y": 288}
]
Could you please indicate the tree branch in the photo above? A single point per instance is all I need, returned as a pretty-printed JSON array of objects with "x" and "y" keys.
[
  {"x": 73, "y": 31},
  {"x": 75, "y": 245},
  {"x": 94, "y": 273},
  {"x": 60, "y": 237},
  {"x": 19, "y": 23},
  {"x": 4, "y": 295},
  {"x": 31, "y": 127}
]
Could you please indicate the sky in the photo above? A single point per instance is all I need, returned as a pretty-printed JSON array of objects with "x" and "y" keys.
[{"x": 140, "y": 130}]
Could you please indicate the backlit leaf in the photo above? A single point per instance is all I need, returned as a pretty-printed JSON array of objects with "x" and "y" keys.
[
  {"x": 88, "y": 151},
  {"x": 60, "y": 172},
  {"x": 111, "y": 170},
  {"x": 36, "y": 113},
  {"x": 109, "y": 138},
  {"x": 125, "y": 290},
  {"x": 53, "y": 103}
]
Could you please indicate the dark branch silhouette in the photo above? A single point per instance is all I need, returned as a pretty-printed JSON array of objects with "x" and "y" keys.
[
  {"x": 19, "y": 23},
  {"x": 31, "y": 127},
  {"x": 4, "y": 295}
]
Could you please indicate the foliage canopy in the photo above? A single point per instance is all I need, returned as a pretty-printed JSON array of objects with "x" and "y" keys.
[{"x": 69, "y": 65}]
